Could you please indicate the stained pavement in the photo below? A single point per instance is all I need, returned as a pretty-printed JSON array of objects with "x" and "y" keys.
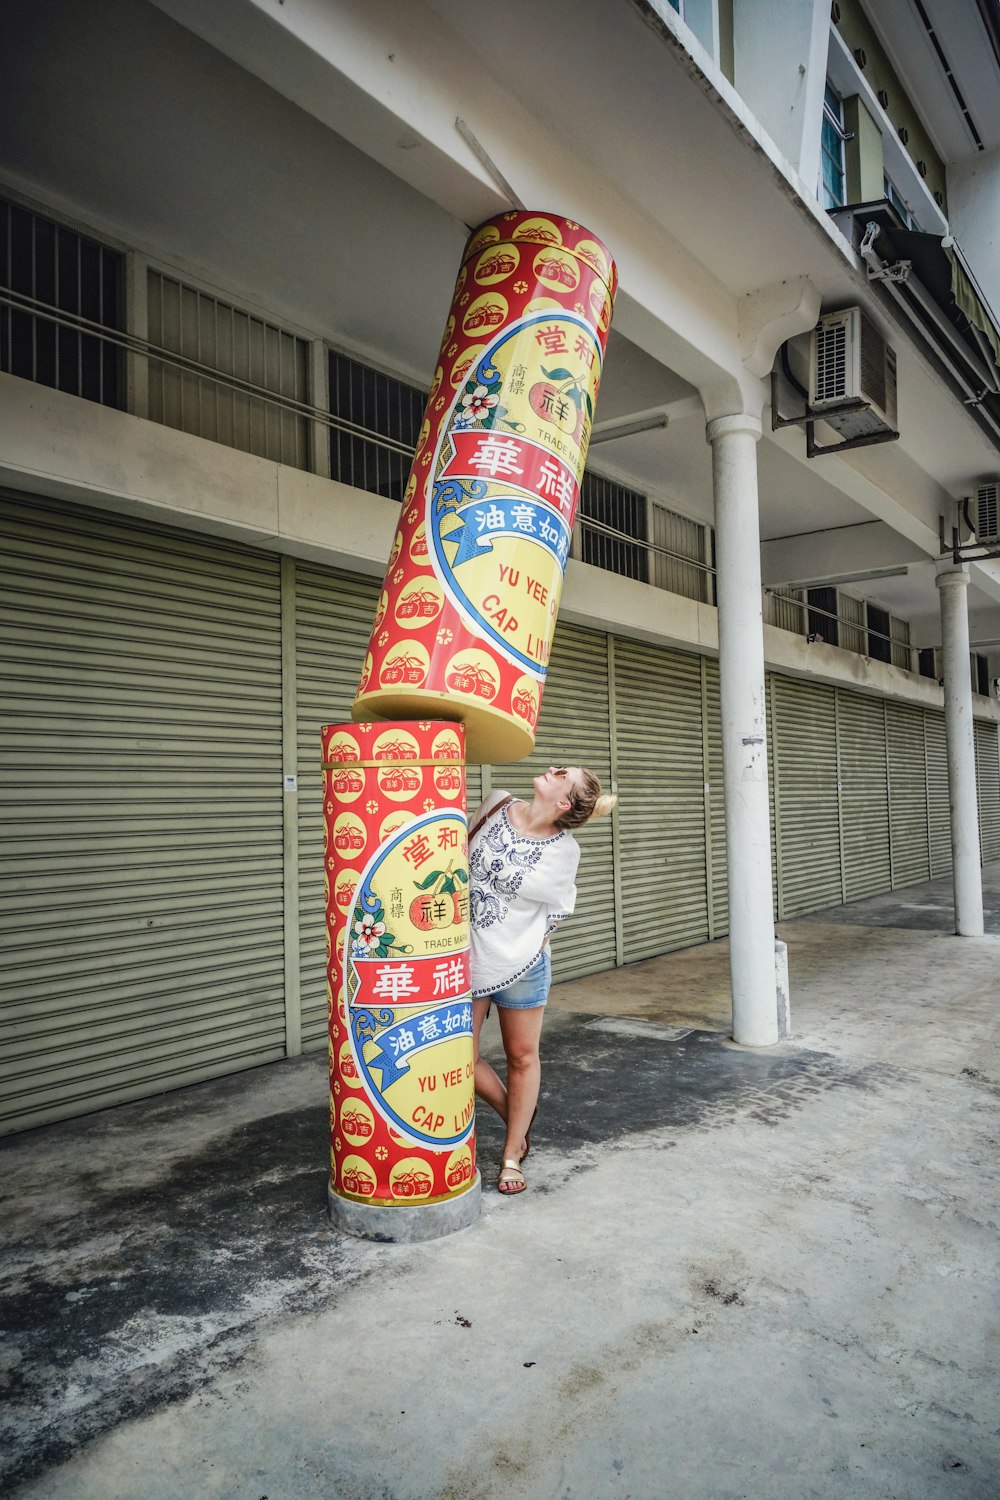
[{"x": 735, "y": 1273}]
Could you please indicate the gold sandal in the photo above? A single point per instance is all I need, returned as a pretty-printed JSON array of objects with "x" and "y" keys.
[
  {"x": 527, "y": 1135},
  {"x": 509, "y": 1185}
]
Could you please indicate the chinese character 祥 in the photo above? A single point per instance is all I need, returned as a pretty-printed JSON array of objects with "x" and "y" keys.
[
  {"x": 552, "y": 339},
  {"x": 418, "y": 850},
  {"x": 434, "y": 910},
  {"x": 447, "y": 837},
  {"x": 449, "y": 977},
  {"x": 497, "y": 455},
  {"x": 554, "y": 404},
  {"x": 557, "y": 482},
  {"x": 394, "y": 983}
]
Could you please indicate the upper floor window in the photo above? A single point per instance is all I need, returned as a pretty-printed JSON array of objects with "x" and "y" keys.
[
  {"x": 376, "y": 427},
  {"x": 226, "y": 375},
  {"x": 832, "y": 174},
  {"x": 54, "y": 283},
  {"x": 613, "y": 527},
  {"x": 899, "y": 203}
]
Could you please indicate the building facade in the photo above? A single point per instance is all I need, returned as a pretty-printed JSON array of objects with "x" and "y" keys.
[{"x": 228, "y": 237}]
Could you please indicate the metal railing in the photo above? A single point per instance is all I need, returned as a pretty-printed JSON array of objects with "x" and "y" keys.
[
  {"x": 845, "y": 620},
  {"x": 143, "y": 349}
]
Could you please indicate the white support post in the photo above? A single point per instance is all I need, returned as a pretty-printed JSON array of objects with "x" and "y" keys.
[
  {"x": 953, "y": 584},
  {"x": 744, "y": 729}
]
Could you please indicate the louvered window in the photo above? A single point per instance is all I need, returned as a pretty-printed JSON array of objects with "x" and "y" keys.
[
  {"x": 234, "y": 378},
  {"x": 899, "y": 636},
  {"x": 678, "y": 554},
  {"x": 53, "y": 282},
  {"x": 785, "y": 608},
  {"x": 853, "y": 623}
]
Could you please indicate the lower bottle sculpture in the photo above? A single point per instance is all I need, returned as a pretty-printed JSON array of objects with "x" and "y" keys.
[{"x": 402, "y": 1099}]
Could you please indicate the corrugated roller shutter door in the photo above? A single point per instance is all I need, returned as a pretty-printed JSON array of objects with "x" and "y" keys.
[
  {"x": 717, "y": 862},
  {"x": 864, "y": 795},
  {"x": 938, "y": 810},
  {"x": 907, "y": 794},
  {"x": 988, "y": 780},
  {"x": 661, "y": 781},
  {"x": 143, "y": 946},
  {"x": 806, "y": 811},
  {"x": 574, "y": 729},
  {"x": 333, "y": 620}
]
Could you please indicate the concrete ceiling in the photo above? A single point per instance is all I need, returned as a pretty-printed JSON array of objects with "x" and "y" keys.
[
  {"x": 963, "y": 38},
  {"x": 177, "y": 150}
]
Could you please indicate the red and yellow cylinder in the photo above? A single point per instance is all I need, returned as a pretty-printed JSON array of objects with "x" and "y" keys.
[
  {"x": 465, "y": 621},
  {"x": 397, "y": 904}
]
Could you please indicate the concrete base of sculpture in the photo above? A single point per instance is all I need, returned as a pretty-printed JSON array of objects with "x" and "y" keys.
[{"x": 409, "y": 1223}]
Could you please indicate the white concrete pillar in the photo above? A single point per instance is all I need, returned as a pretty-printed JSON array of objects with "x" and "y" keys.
[
  {"x": 953, "y": 584},
  {"x": 744, "y": 729}
]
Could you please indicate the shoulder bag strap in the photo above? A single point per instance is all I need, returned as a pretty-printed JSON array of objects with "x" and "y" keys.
[{"x": 488, "y": 814}]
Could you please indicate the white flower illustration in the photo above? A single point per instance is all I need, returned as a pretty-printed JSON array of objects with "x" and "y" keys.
[
  {"x": 476, "y": 406},
  {"x": 368, "y": 932}
]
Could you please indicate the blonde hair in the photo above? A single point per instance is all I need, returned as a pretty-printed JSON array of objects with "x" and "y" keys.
[{"x": 587, "y": 802}]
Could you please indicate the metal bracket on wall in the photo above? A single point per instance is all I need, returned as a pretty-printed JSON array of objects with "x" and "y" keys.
[{"x": 960, "y": 552}]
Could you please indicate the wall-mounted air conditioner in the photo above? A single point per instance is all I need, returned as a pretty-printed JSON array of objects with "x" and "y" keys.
[
  {"x": 986, "y": 511},
  {"x": 852, "y": 377}
]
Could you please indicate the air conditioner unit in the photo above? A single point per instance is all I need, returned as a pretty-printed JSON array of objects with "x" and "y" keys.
[
  {"x": 852, "y": 377},
  {"x": 986, "y": 512}
]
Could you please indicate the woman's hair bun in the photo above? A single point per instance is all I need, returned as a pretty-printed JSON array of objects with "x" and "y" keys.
[{"x": 605, "y": 804}]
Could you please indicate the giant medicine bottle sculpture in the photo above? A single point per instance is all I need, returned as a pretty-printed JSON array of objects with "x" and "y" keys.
[{"x": 455, "y": 667}]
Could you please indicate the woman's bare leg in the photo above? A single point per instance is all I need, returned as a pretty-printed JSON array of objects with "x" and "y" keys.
[
  {"x": 488, "y": 1084},
  {"x": 521, "y": 1031}
]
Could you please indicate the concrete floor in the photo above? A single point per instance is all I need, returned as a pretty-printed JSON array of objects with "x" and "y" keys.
[{"x": 770, "y": 1275}]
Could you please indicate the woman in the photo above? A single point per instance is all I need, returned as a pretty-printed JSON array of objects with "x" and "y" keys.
[{"x": 522, "y": 865}]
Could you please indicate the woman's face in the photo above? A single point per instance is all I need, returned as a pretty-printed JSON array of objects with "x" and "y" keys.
[{"x": 557, "y": 786}]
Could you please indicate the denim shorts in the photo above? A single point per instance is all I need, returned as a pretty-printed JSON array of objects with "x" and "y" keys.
[{"x": 531, "y": 990}]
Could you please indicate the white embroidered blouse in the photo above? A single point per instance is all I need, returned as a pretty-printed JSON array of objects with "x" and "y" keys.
[{"x": 521, "y": 889}]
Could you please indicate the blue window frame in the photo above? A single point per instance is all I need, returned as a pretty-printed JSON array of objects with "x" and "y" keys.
[{"x": 832, "y": 177}]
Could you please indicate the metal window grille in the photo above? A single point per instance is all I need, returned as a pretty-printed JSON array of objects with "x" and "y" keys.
[
  {"x": 980, "y": 674},
  {"x": 785, "y": 608},
  {"x": 879, "y": 643},
  {"x": 255, "y": 353},
  {"x": 823, "y": 621},
  {"x": 389, "y": 411},
  {"x": 614, "y": 527},
  {"x": 675, "y": 538},
  {"x": 70, "y": 273},
  {"x": 832, "y": 175}
]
